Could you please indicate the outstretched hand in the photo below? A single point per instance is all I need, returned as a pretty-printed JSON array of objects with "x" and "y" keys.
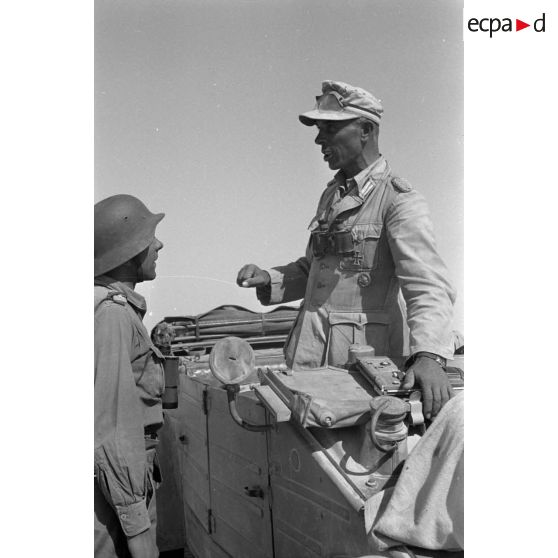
[
  {"x": 251, "y": 275},
  {"x": 432, "y": 380}
]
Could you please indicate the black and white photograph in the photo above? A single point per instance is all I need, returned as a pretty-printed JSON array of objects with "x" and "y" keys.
[
  {"x": 279, "y": 340},
  {"x": 293, "y": 211}
]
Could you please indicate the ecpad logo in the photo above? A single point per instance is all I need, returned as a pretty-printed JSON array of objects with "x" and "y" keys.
[{"x": 495, "y": 24}]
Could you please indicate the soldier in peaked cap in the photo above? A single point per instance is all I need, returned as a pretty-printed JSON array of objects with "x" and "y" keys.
[
  {"x": 129, "y": 381},
  {"x": 370, "y": 241}
]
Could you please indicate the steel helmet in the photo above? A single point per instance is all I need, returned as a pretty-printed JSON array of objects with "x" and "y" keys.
[{"x": 124, "y": 227}]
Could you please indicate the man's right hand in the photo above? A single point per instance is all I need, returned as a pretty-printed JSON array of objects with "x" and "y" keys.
[
  {"x": 143, "y": 546},
  {"x": 252, "y": 276}
]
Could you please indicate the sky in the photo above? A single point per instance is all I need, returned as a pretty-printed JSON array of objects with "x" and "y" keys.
[{"x": 196, "y": 114}]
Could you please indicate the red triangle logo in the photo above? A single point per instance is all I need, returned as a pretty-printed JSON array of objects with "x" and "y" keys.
[{"x": 519, "y": 25}]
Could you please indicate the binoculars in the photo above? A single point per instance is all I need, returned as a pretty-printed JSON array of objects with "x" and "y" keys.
[{"x": 337, "y": 242}]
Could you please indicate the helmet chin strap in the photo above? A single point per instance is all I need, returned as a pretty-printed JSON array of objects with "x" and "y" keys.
[
  {"x": 138, "y": 261},
  {"x": 131, "y": 271}
]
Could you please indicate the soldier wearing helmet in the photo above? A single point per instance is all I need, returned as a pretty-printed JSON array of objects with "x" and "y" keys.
[
  {"x": 370, "y": 241},
  {"x": 129, "y": 381}
]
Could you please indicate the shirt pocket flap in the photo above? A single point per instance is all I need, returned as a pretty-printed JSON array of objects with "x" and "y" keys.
[
  {"x": 360, "y": 328},
  {"x": 367, "y": 230}
]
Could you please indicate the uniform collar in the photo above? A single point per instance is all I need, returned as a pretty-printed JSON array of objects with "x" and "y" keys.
[
  {"x": 366, "y": 179},
  {"x": 133, "y": 297},
  {"x": 334, "y": 203}
]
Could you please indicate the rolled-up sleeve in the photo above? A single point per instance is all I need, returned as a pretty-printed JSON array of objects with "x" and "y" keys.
[
  {"x": 422, "y": 274},
  {"x": 120, "y": 458}
]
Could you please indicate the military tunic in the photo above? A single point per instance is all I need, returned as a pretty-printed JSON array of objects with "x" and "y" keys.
[
  {"x": 354, "y": 298},
  {"x": 129, "y": 384}
]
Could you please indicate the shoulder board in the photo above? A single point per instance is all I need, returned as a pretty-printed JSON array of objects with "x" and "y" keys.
[
  {"x": 400, "y": 184},
  {"x": 119, "y": 299},
  {"x": 112, "y": 296}
]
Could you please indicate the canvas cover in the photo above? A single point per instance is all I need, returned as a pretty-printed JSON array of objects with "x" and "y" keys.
[
  {"x": 324, "y": 397},
  {"x": 425, "y": 508},
  {"x": 231, "y": 320}
]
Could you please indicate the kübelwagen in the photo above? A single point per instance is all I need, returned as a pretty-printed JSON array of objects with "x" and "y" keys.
[{"x": 259, "y": 461}]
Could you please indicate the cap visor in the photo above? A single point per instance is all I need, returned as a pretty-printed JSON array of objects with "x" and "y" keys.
[{"x": 309, "y": 118}]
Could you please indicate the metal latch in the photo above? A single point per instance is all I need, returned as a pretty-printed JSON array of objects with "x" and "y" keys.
[{"x": 415, "y": 408}]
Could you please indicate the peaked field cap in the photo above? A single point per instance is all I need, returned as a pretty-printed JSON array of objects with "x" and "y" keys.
[
  {"x": 341, "y": 101},
  {"x": 124, "y": 227}
]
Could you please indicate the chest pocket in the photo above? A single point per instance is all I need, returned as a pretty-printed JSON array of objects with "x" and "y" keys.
[
  {"x": 363, "y": 328},
  {"x": 150, "y": 377},
  {"x": 366, "y": 238}
]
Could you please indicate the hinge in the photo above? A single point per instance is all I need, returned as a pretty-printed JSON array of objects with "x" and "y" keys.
[
  {"x": 210, "y": 522},
  {"x": 205, "y": 401}
]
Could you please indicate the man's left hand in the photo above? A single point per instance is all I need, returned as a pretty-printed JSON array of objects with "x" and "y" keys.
[{"x": 432, "y": 380}]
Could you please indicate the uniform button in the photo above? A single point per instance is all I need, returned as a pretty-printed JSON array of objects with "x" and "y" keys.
[
  {"x": 323, "y": 266},
  {"x": 123, "y": 516}
]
